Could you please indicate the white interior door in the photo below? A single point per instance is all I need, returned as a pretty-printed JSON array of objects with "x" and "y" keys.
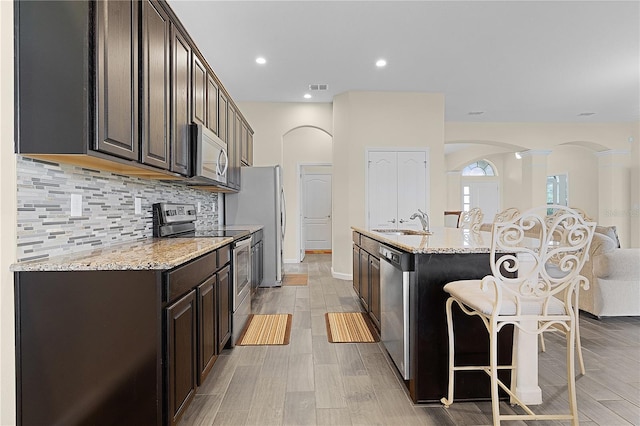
[
  {"x": 485, "y": 195},
  {"x": 382, "y": 189},
  {"x": 412, "y": 187},
  {"x": 316, "y": 211}
]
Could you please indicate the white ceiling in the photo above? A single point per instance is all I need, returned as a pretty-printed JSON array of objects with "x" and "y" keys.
[{"x": 523, "y": 61}]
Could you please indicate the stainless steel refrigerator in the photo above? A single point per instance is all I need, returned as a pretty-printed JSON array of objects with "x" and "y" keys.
[{"x": 261, "y": 202}]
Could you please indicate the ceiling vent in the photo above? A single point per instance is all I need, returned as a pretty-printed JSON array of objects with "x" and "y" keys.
[{"x": 318, "y": 87}]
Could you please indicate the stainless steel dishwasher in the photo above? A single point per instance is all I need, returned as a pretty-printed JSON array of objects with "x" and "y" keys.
[{"x": 396, "y": 276}]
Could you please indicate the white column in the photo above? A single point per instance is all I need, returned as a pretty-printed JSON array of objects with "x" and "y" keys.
[
  {"x": 525, "y": 351},
  {"x": 534, "y": 178},
  {"x": 614, "y": 192}
]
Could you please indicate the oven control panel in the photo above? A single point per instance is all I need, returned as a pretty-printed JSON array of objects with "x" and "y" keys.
[{"x": 169, "y": 213}]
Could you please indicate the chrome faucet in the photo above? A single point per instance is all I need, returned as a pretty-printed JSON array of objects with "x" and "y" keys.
[{"x": 424, "y": 219}]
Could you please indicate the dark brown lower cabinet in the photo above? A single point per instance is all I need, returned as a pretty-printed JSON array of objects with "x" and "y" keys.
[
  {"x": 119, "y": 347},
  {"x": 366, "y": 275},
  {"x": 207, "y": 333},
  {"x": 88, "y": 348},
  {"x": 224, "y": 307},
  {"x": 181, "y": 323}
]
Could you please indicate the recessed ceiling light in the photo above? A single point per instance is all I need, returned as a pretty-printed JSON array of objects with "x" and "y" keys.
[
  {"x": 307, "y": 96},
  {"x": 260, "y": 60},
  {"x": 381, "y": 63}
]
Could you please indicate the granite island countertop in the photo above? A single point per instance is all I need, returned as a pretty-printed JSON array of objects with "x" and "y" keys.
[
  {"x": 144, "y": 254},
  {"x": 442, "y": 240}
]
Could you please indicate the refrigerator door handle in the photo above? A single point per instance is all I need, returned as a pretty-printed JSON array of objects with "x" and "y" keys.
[{"x": 283, "y": 213}]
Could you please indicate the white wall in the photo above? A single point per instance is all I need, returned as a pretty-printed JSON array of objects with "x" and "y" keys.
[
  {"x": 272, "y": 120},
  {"x": 380, "y": 119},
  {"x": 574, "y": 147},
  {"x": 8, "y": 208}
]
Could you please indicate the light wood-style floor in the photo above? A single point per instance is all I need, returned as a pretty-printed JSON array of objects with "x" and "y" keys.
[{"x": 313, "y": 382}]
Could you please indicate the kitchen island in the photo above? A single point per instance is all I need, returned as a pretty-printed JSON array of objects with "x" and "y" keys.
[
  {"x": 446, "y": 255},
  {"x": 123, "y": 334}
]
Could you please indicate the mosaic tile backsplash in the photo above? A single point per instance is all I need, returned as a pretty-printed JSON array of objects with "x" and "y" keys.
[{"x": 46, "y": 227}]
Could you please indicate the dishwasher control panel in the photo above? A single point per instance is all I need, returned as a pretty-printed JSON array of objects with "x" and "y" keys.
[{"x": 400, "y": 259}]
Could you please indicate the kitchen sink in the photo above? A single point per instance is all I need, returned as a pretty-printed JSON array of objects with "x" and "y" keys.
[{"x": 402, "y": 232}]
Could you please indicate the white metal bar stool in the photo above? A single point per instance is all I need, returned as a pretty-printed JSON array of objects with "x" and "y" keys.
[{"x": 522, "y": 291}]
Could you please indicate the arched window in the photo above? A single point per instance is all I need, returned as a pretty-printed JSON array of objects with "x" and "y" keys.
[{"x": 479, "y": 168}]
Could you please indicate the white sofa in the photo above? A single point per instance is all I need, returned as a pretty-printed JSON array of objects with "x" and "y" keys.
[{"x": 614, "y": 277}]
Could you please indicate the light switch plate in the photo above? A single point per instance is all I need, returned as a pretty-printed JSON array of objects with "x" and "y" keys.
[
  {"x": 199, "y": 208},
  {"x": 76, "y": 205},
  {"x": 213, "y": 207},
  {"x": 137, "y": 205}
]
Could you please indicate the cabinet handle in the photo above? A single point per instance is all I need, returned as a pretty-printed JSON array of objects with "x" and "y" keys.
[
  {"x": 402, "y": 221},
  {"x": 392, "y": 220}
]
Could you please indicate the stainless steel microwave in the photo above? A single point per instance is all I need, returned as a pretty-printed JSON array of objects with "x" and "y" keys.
[{"x": 210, "y": 159}]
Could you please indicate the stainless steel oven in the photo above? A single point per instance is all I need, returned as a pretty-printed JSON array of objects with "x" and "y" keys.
[{"x": 241, "y": 286}]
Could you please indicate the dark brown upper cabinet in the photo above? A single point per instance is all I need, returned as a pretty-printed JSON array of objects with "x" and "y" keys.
[
  {"x": 156, "y": 80},
  {"x": 114, "y": 85},
  {"x": 199, "y": 91},
  {"x": 181, "y": 102},
  {"x": 204, "y": 95},
  {"x": 212, "y": 103},
  {"x": 117, "y": 78}
]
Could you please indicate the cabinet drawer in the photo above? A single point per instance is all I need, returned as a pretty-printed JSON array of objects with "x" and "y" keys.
[
  {"x": 370, "y": 245},
  {"x": 185, "y": 277},
  {"x": 356, "y": 237},
  {"x": 224, "y": 255}
]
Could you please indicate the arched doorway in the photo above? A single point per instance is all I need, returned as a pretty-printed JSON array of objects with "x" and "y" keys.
[{"x": 302, "y": 148}]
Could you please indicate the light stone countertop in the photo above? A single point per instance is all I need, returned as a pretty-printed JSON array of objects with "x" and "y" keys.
[
  {"x": 442, "y": 241},
  {"x": 146, "y": 254}
]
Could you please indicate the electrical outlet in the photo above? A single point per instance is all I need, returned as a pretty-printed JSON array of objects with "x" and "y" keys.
[
  {"x": 199, "y": 209},
  {"x": 137, "y": 205},
  {"x": 213, "y": 207},
  {"x": 76, "y": 205}
]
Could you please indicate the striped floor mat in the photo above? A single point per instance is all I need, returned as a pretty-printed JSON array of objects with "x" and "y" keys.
[
  {"x": 295, "y": 279},
  {"x": 266, "y": 330},
  {"x": 349, "y": 327}
]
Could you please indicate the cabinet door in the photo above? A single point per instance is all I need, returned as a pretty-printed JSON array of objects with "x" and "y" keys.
[
  {"x": 383, "y": 189},
  {"x": 260, "y": 256},
  {"x": 224, "y": 307},
  {"x": 198, "y": 91},
  {"x": 364, "y": 279},
  {"x": 181, "y": 101},
  {"x": 232, "y": 148},
  {"x": 374, "y": 286},
  {"x": 155, "y": 85},
  {"x": 212, "y": 103},
  {"x": 117, "y": 78},
  {"x": 181, "y": 355},
  {"x": 207, "y": 318},
  {"x": 412, "y": 187},
  {"x": 249, "y": 147},
  {"x": 223, "y": 113},
  {"x": 356, "y": 270},
  {"x": 244, "y": 151}
]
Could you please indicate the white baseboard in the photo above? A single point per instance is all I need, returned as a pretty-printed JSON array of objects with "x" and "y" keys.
[
  {"x": 341, "y": 276},
  {"x": 291, "y": 261}
]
